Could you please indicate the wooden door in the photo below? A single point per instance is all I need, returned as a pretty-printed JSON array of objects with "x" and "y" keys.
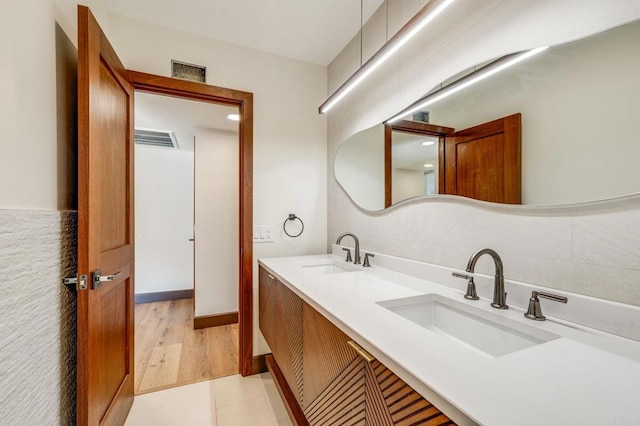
[
  {"x": 484, "y": 162},
  {"x": 105, "y": 229}
]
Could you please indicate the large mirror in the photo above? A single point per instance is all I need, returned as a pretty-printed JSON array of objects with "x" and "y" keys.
[{"x": 568, "y": 116}]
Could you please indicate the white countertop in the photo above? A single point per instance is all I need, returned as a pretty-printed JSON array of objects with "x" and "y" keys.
[{"x": 585, "y": 377}]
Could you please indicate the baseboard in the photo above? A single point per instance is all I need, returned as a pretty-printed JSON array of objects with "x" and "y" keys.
[
  {"x": 260, "y": 364},
  {"x": 163, "y": 296},
  {"x": 215, "y": 320},
  {"x": 288, "y": 398}
]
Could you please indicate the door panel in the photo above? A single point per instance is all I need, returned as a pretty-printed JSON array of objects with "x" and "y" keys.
[
  {"x": 484, "y": 162},
  {"x": 105, "y": 229},
  {"x": 479, "y": 168},
  {"x": 114, "y": 161}
]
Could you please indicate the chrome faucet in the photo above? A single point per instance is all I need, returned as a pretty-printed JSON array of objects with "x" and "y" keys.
[
  {"x": 356, "y": 254},
  {"x": 499, "y": 296}
]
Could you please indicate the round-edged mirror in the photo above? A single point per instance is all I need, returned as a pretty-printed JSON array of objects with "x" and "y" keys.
[{"x": 557, "y": 128}]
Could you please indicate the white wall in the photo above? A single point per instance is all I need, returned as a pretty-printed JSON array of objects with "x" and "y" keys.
[
  {"x": 406, "y": 184},
  {"x": 217, "y": 222},
  {"x": 164, "y": 219},
  {"x": 36, "y": 165},
  {"x": 290, "y": 154},
  {"x": 591, "y": 250}
]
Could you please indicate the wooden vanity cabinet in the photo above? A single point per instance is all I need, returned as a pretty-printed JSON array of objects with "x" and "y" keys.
[
  {"x": 335, "y": 382},
  {"x": 280, "y": 319}
]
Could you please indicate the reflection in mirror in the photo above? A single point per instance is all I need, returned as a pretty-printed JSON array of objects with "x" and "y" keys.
[
  {"x": 414, "y": 165},
  {"x": 578, "y": 102},
  {"x": 359, "y": 166}
]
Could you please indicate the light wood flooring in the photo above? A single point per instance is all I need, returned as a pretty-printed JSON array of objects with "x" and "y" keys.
[{"x": 169, "y": 352}]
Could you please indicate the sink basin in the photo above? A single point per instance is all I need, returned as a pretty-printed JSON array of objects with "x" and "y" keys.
[
  {"x": 326, "y": 268},
  {"x": 482, "y": 331}
]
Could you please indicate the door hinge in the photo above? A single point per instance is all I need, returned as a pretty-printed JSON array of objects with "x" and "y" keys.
[{"x": 76, "y": 283}]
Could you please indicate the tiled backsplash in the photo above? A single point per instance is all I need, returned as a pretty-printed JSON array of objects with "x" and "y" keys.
[{"x": 589, "y": 249}]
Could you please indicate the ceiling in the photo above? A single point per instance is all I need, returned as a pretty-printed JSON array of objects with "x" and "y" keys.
[
  {"x": 181, "y": 116},
  {"x": 409, "y": 153},
  {"x": 311, "y": 31}
]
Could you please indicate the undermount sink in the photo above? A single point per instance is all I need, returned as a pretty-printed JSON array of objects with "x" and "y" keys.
[
  {"x": 482, "y": 331},
  {"x": 326, "y": 268}
]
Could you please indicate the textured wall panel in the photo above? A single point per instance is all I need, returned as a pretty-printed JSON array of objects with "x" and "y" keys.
[{"x": 37, "y": 318}]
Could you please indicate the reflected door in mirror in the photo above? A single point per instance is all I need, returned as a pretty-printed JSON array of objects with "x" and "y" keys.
[{"x": 484, "y": 162}]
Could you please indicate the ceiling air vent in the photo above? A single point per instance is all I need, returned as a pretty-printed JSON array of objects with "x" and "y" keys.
[
  {"x": 188, "y": 71},
  {"x": 158, "y": 138}
]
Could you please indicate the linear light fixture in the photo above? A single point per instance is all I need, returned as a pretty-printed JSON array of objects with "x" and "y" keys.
[
  {"x": 468, "y": 80},
  {"x": 427, "y": 14}
]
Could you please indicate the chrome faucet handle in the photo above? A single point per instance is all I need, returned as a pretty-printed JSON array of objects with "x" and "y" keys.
[
  {"x": 471, "y": 286},
  {"x": 535, "y": 310},
  {"x": 366, "y": 263},
  {"x": 348, "y": 259}
]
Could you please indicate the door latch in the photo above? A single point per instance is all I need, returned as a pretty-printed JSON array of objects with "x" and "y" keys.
[
  {"x": 98, "y": 278},
  {"x": 76, "y": 283}
]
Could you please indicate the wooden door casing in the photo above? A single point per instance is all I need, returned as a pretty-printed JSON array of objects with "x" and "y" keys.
[
  {"x": 484, "y": 161},
  {"x": 196, "y": 91},
  {"x": 105, "y": 229}
]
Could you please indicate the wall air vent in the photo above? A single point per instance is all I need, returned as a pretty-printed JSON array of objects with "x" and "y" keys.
[
  {"x": 157, "y": 138},
  {"x": 186, "y": 71}
]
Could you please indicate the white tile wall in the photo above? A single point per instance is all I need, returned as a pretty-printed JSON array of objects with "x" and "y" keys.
[
  {"x": 37, "y": 318},
  {"x": 590, "y": 249}
]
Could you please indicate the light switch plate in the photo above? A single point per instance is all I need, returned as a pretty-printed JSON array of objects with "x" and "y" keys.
[{"x": 263, "y": 234}]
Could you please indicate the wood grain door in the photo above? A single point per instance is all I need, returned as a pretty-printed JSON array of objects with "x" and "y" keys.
[
  {"x": 484, "y": 162},
  {"x": 105, "y": 230}
]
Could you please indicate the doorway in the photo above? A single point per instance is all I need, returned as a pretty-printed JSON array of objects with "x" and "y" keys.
[
  {"x": 244, "y": 102},
  {"x": 187, "y": 242}
]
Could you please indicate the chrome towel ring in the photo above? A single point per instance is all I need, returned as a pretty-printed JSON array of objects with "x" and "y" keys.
[{"x": 292, "y": 217}]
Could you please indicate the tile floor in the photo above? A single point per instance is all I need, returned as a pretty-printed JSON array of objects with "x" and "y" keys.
[{"x": 227, "y": 401}]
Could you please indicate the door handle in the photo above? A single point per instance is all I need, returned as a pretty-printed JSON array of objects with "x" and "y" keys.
[
  {"x": 98, "y": 278},
  {"x": 192, "y": 239}
]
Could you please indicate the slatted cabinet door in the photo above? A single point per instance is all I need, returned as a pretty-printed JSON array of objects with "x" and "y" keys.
[
  {"x": 267, "y": 286},
  {"x": 391, "y": 401},
  {"x": 334, "y": 374},
  {"x": 288, "y": 338},
  {"x": 280, "y": 318}
]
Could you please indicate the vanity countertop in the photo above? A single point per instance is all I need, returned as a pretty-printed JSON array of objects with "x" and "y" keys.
[{"x": 585, "y": 377}]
